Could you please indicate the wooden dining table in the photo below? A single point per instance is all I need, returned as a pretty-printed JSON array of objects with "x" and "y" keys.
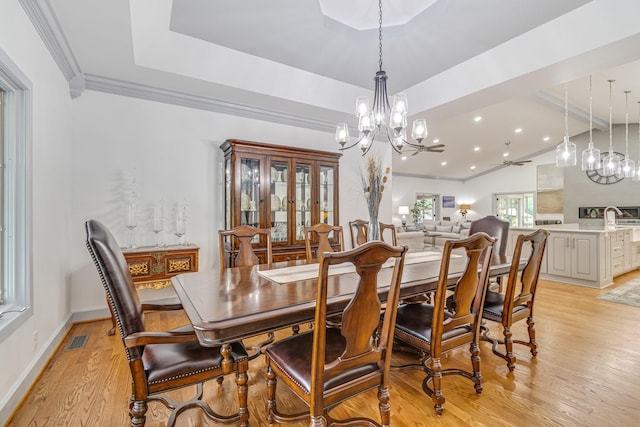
[{"x": 237, "y": 303}]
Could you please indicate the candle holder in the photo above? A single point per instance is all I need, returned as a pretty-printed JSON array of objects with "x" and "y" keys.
[
  {"x": 132, "y": 224},
  {"x": 158, "y": 225},
  {"x": 180, "y": 224}
]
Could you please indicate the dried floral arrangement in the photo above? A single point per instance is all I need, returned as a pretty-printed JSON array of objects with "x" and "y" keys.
[{"x": 373, "y": 179}]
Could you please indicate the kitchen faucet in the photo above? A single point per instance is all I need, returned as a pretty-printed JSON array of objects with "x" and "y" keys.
[{"x": 610, "y": 218}]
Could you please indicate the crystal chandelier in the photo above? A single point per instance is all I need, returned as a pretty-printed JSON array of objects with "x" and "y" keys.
[
  {"x": 590, "y": 156},
  {"x": 388, "y": 121},
  {"x": 566, "y": 150},
  {"x": 611, "y": 162},
  {"x": 627, "y": 166}
]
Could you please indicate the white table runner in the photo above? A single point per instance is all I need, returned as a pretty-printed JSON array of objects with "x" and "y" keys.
[{"x": 310, "y": 271}]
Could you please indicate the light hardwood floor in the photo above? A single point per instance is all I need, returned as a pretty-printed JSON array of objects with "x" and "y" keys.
[{"x": 586, "y": 374}]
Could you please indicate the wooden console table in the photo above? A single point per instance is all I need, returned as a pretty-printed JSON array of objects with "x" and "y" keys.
[{"x": 153, "y": 267}]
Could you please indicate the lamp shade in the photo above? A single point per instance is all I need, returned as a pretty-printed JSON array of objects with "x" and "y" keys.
[
  {"x": 465, "y": 206},
  {"x": 403, "y": 210}
]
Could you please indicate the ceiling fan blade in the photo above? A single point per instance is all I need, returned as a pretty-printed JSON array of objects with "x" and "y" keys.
[
  {"x": 521, "y": 162},
  {"x": 439, "y": 148},
  {"x": 415, "y": 152}
]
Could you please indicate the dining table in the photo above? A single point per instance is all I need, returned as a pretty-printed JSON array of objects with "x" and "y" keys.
[{"x": 236, "y": 303}]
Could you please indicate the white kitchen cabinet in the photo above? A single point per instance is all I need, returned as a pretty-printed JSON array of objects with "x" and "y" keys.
[{"x": 573, "y": 255}]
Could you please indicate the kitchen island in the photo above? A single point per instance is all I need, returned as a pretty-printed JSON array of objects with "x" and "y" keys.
[{"x": 586, "y": 254}]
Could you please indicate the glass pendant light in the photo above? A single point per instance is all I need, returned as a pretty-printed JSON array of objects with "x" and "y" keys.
[
  {"x": 566, "y": 150},
  {"x": 627, "y": 165},
  {"x": 590, "y": 156},
  {"x": 611, "y": 162},
  {"x": 636, "y": 177}
]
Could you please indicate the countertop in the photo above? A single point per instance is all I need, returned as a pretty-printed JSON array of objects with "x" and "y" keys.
[{"x": 586, "y": 228}]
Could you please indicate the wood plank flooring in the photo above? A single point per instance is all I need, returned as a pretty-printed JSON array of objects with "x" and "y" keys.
[{"x": 586, "y": 374}]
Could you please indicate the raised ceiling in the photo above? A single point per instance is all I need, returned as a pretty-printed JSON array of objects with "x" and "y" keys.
[{"x": 303, "y": 62}]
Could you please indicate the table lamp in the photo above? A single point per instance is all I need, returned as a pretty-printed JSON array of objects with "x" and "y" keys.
[
  {"x": 464, "y": 207},
  {"x": 404, "y": 211}
]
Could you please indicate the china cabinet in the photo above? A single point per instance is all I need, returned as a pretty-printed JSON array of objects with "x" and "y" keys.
[{"x": 281, "y": 188}]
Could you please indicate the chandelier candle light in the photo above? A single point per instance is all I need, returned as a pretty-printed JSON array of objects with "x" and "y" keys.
[
  {"x": 383, "y": 119},
  {"x": 566, "y": 150},
  {"x": 611, "y": 163},
  {"x": 590, "y": 156},
  {"x": 628, "y": 166}
]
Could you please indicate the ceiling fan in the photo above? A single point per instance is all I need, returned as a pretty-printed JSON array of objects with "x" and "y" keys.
[
  {"x": 435, "y": 148},
  {"x": 512, "y": 162}
]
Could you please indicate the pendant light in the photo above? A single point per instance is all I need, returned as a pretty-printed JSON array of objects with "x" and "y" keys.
[
  {"x": 636, "y": 177},
  {"x": 566, "y": 150},
  {"x": 627, "y": 165},
  {"x": 611, "y": 162},
  {"x": 590, "y": 156}
]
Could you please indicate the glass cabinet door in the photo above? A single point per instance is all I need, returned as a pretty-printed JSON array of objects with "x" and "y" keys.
[
  {"x": 279, "y": 201},
  {"x": 250, "y": 192},
  {"x": 304, "y": 199},
  {"x": 227, "y": 193},
  {"x": 327, "y": 195}
]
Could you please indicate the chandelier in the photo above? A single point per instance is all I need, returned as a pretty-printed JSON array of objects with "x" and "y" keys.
[
  {"x": 389, "y": 121},
  {"x": 566, "y": 150}
]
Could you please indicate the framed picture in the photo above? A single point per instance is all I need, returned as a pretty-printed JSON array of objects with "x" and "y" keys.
[{"x": 448, "y": 201}]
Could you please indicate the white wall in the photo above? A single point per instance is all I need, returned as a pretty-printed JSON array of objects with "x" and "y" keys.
[
  {"x": 174, "y": 154},
  {"x": 52, "y": 205}
]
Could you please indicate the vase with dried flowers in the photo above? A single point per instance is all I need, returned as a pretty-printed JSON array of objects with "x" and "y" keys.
[{"x": 373, "y": 179}]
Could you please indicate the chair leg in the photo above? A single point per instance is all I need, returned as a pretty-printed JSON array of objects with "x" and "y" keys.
[
  {"x": 137, "y": 413},
  {"x": 383, "y": 405},
  {"x": 533, "y": 345},
  {"x": 475, "y": 362},
  {"x": 434, "y": 374},
  {"x": 508, "y": 345},
  {"x": 271, "y": 394}
]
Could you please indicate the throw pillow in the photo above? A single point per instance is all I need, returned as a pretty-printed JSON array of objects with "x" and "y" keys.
[
  {"x": 455, "y": 229},
  {"x": 442, "y": 229}
]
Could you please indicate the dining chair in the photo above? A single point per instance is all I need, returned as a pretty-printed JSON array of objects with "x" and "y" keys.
[
  {"x": 161, "y": 361},
  {"x": 517, "y": 301},
  {"x": 432, "y": 329},
  {"x": 236, "y": 248},
  {"x": 322, "y": 233},
  {"x": 359, "y": 230},
  {"x": 499, "y": 229},
  {"x": 390, "y": 231},
  {"x": 328, "y": 365}
]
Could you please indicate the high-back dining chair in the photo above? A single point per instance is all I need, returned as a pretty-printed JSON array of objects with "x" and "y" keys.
[
  {"x": 499, "y": 229},
  {"x": 433, "y": 329},
  {"x": 323, "y": 233},
  {"x": 328, "y": 365},
  {"x": 241, "y": 237},
  {"x": 359, "y": 230},
  {"x": 390, "y": 231},
  {"x": 161, "y": 361},
  {"x": 518, "y": 299},
  {"x": 494, "y": 227}
]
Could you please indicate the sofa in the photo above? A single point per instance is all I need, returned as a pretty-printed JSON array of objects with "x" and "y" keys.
[{"x": 446, "y": 230}]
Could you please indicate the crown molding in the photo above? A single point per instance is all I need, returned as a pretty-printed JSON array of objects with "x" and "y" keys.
[
  {"x": 44, "y": 21},
  {"x": 150, "y": 93}
]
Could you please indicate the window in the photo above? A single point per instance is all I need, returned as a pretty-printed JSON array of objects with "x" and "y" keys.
[
  {"x": 516, "y": 208},
  {"x": 425, "y": 208},
  {"x": 15, "y": 207}
]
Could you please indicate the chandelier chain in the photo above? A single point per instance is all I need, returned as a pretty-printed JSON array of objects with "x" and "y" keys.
[
  {"x": 610, "y": 118},
  {"x": 590, "y": 111},
  {"x": 380, "y": 34},
  {"x": 626, "y": 120},
  {"x": 566, "y": 110}
]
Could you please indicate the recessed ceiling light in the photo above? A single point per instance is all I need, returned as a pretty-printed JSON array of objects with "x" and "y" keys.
[
  {"x": 444, "y": 163},
  {"x": 403, "y": 158},
  {"x": 476, "y": 148},
  {"x": 435, "y": 141},
  {"x": 477, "y": 118},
  {"x": 518, "y": 130},
  {"x": 473, "y": 168},
  {"x": 546, "y": 138}
]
